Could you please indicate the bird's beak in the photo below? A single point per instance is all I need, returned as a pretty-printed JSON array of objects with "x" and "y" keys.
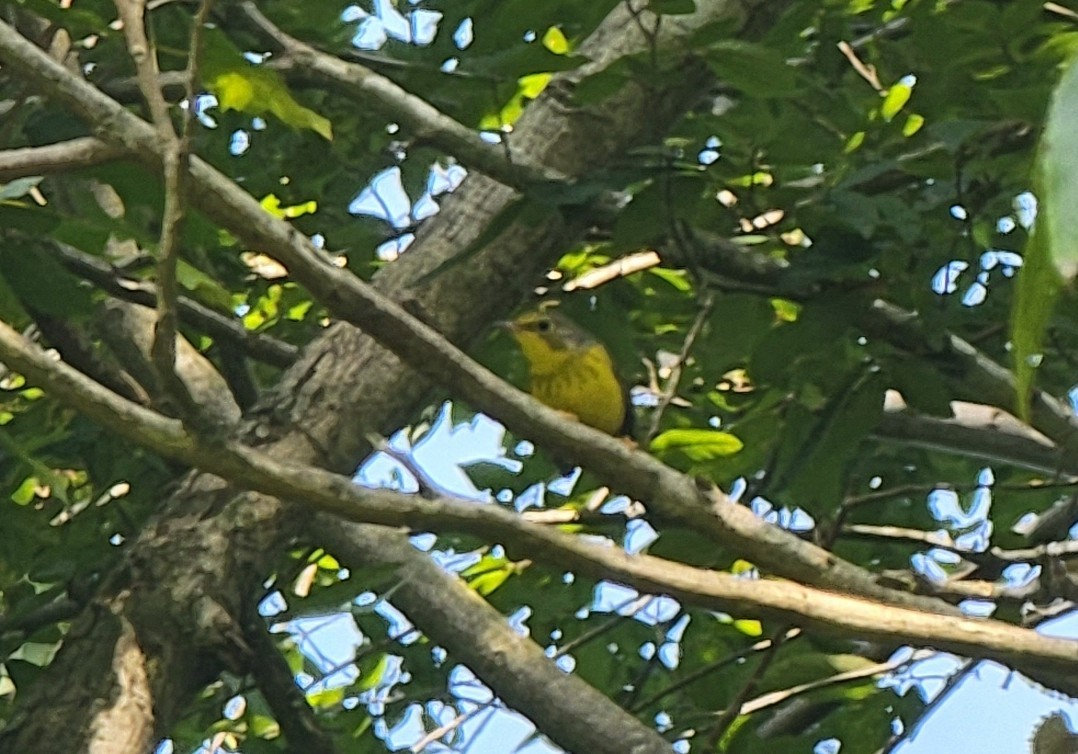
[{"x": 505, "y": 324}]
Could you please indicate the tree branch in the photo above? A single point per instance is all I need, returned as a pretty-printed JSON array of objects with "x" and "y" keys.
[
  {"x": 562, "y": 705},
  {"x": 1038, "y": 656},
  {"x": 77, "y": 153},
  {"x": 965, "y": 435},
  {"x": 275, "y": 680},
  {"x": 260, "y": 346}
]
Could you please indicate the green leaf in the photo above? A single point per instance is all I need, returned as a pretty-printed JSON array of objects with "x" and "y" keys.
[
  {"x": 1035, "y": 295},
  {"x": 697, "y": 444},
  {"x": 372, "y": 669},
  {"x": 1057, "y": 163},
  {"x": 489, "y": 574},
  {"x": 896, "y": 99},
  {"x": 755, "y": 69},
  {"x": 42, "y": 283},
  {"x": 205, "y": 288}
]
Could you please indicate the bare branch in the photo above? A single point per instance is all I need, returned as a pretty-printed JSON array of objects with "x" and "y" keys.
[
  {"x": 674, "y": 380},
  {"x": 175, "y": 151},
  {"x": 1051, "y": 661},
  {"x": 77, "y": 153}
]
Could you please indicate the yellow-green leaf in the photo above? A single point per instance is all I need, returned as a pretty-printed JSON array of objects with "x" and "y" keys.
[
  {"x": 371, "y": 671},
  {"x": 272, "y": 204},
  {"x": 1035, "y": 294},
  {"x": 555, "y": 41},
  {"x": 203, "y": 287},
  {"x": 749, "y": 627},
  {"x": 489, "y": 573},
  {"x": 326, "y": 698},
  {"x": 1057, "y": 162},
  {"x": 256, "y": 90},
  {"x": 697, "y": 444},
  {"x": 897, "y": 97},
  {"x": 913, "y": 124}
]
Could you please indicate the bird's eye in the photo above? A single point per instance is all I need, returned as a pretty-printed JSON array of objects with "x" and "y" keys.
[{"x": 543, "y": 325}]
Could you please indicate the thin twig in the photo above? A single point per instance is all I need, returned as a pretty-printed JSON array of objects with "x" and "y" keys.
[
  {"x": 428, "y": 487},
  {"x": 730, "y": 714},
  {"x": 1061, "y": 11},
  {"x": 452, "y": 725},
  {"x": 678, "y": 368},
  {"x": 619, "y": 268},
  {"x": 711, "y": 667},
  {"x": 871, "y": 671},
  {"x": 636, "y": 604},
  {"x": 866, "y": 71},
  {"x": 175, "y": 152},
  {"x": 926, "y": 713}
]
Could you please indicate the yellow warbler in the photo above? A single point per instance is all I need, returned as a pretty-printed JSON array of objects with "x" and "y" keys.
[{"x": 571, "y": 371}]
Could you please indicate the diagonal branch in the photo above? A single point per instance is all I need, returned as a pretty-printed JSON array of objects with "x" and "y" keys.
[
  {"x": 1053, "y": 662},
  {"x": 258, "y": 345},
  {"x": 562, "y": 705}
]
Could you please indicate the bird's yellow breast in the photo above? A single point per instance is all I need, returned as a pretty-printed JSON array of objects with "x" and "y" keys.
[{"x": 583, "y": 384}]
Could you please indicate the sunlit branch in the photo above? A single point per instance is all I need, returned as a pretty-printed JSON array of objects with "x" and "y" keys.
[{"x": 1051, "y": 661}]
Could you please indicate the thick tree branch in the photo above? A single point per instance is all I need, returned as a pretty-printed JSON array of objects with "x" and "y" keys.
[
  {"x": 968, "y": 436},
  {"x": 77, "y": 153},
  {"x": 562, "y": 705},
  {"x": 335, "y": 494}
]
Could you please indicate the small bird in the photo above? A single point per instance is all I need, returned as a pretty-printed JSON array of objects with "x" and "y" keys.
[{"x": 571, "y": 371}]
